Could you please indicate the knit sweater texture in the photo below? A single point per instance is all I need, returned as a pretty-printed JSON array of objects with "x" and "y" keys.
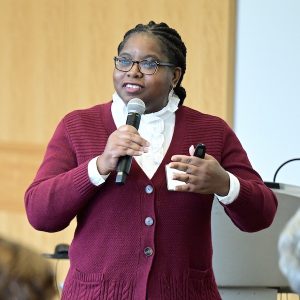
[{"x": 115, "y": 254}]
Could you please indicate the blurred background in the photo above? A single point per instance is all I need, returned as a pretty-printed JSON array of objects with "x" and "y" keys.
[{"x": 267, "y": 86}]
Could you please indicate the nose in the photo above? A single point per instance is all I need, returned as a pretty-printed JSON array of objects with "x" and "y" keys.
[{"x": 135, "y": 71}]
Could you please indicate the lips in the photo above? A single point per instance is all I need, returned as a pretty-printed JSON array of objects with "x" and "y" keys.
[{"x": 132, "y": 87}]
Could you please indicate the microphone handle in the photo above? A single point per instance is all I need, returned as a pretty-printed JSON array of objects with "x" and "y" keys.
[
  {"x": 133, "y": 119},
  {"x": 123, "y": 169},
  {"x": 124, "y": 162}
]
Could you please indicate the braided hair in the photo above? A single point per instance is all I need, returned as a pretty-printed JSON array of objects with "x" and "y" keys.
[{"x": 172, "y": 44}]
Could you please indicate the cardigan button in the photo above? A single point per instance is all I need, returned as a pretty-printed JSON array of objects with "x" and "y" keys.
[
  {"x": 149, "y": 221},
  {"x": 148, "y": 251},
  {"x": 148, "y": 189}
]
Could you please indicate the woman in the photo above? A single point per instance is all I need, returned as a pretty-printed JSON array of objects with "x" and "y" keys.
[{"x": 140, "y": 240}]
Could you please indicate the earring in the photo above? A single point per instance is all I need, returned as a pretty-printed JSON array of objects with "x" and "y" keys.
[{"x": 171, "y": 93}]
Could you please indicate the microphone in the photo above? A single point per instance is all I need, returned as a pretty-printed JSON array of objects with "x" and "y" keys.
[{"x": 135, "y": 108}]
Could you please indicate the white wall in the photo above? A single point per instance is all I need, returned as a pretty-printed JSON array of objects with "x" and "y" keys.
[{"x": 267, "y": 95}]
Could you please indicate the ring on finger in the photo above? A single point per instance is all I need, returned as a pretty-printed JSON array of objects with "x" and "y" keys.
[{"x": 188, "y": 179}]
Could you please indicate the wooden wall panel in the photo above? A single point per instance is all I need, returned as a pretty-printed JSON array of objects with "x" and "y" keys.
[
  {"x": 56, "y": 55},
  {"x": 18, "y": 164}
]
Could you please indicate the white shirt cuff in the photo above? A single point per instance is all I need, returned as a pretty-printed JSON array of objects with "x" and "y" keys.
[
  {"x": 234, "y": 190},
  {"x": 95, "y": 177}
]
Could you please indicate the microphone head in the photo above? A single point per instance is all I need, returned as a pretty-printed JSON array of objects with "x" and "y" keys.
[{"x": 136, "y": 105}]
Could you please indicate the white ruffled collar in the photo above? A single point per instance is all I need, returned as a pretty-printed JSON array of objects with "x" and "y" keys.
[{"x": 164, "y": 113}]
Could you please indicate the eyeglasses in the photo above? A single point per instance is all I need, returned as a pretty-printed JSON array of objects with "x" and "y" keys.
[{"x": 147, "y": 67}]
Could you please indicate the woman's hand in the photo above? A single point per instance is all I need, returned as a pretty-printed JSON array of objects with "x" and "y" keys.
[
  {"x": 205, "y": 176},
  {"x": 124, "y": 141}
]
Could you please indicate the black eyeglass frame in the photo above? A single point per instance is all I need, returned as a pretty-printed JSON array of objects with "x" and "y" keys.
[{"x": 158, "y": 63}]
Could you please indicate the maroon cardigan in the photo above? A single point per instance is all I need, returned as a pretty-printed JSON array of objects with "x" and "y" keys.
[{"x": 114, "y": 253}]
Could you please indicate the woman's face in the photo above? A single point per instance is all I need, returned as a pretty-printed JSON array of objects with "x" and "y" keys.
[{"x": 152, "y": 89}]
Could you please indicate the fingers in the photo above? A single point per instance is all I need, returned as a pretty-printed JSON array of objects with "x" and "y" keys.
[
  {"x": 189, "y": 159},
  {"x": 184, "y": 177},
  {"x": 187, "y": 164},
  {"x": 184, "y": 162},
  {"x": 129, "y": 142},
  {"x": 188, "y": 179},
  {"x": 198, "y": 174},
  {"x": 204, "y": 176},
  {"x": 123, "y": 141},
  {"x": 193, "y": 183}
]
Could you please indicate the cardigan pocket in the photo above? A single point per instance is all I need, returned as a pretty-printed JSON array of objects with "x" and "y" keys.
[
  {"x": 202, "y": 285},
  {"x": 95, "y": 286},
  {"x": 190, "y": 285},
  {"x": 199, "y": 274}
]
